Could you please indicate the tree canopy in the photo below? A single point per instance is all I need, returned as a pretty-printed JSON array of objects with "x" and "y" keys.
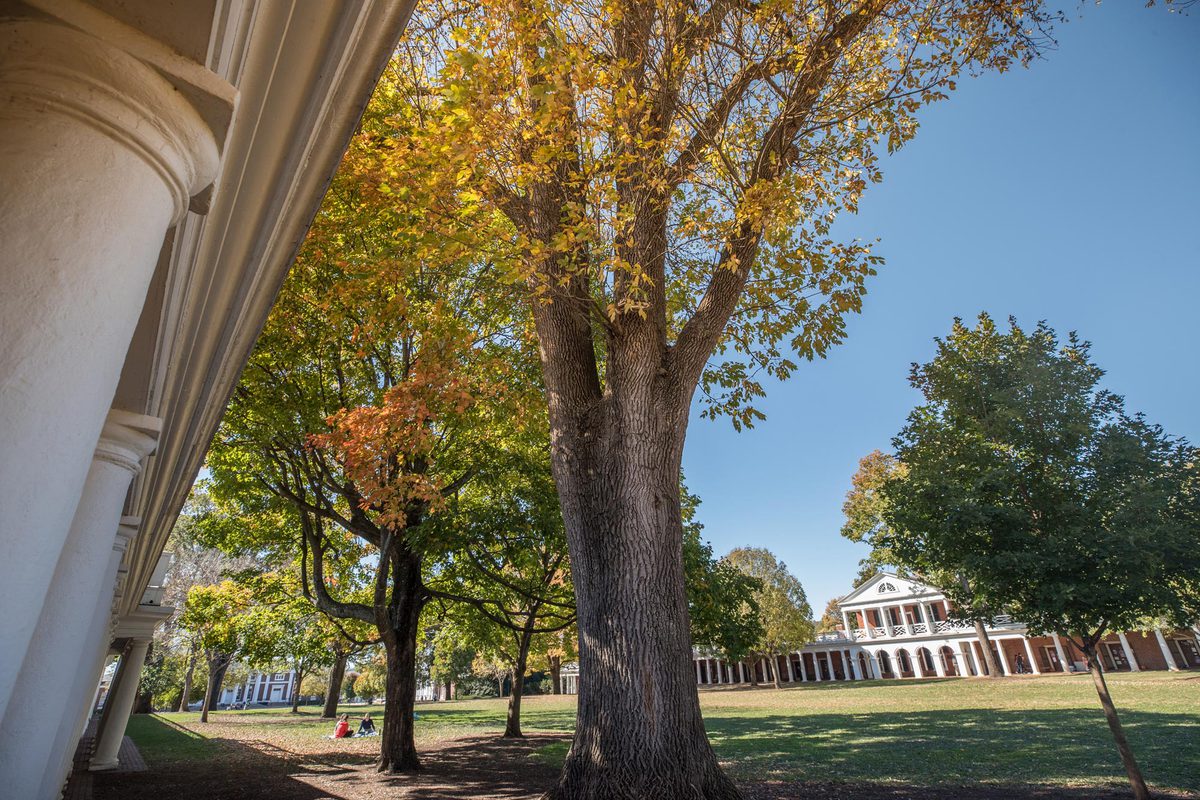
[
  {"x": 784, "y": 614},
  {"x": 1033, "y": 483}
]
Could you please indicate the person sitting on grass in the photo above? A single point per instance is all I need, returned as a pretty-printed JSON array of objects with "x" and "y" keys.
[
  {"x": 366, "y": 726},
  {"x": 342, "y": 729}
]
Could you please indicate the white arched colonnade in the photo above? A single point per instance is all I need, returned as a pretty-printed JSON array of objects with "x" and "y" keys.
[{"x": 161, "y": 163}]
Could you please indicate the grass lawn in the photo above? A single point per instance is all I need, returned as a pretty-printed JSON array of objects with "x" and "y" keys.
[{"x": 1017, "y": 731}]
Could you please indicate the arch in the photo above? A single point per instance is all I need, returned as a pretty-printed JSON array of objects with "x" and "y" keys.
[
  {"x": 904, "y": 664},
  {"x": 864, "y": 666},
  {"x": 925, "y": 662},
  {"x": 885, "y": 664},
  {"x": 949, "y": 663}
]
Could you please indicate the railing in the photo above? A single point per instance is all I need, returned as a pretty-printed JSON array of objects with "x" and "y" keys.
[
  {"x": 919, "y": 627},
  {"x": 831, "y": 637},
  {"x": 881, "y": 632}
]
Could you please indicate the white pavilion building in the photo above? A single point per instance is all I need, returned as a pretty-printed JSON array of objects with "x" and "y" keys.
[{"x": 895, "y": 627}]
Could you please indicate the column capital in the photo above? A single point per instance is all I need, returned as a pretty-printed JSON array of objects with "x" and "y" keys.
[
  {"x": 48, "y": 66},
  {"x": 126, "y": 439},
  {"x": 127, "y": 531}
]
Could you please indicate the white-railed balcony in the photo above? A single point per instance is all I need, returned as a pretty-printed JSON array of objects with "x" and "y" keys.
[{"x": 946, "y": 626}]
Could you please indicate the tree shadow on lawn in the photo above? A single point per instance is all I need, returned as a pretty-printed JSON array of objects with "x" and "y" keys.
[
  {"x": 192, "y": 766},
  {"x": 982, "y": 754},
  {"x": 962, "y": 747}
]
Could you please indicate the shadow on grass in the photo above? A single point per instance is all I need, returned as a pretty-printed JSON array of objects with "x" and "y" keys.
[
  {"x": 980, "y": 753},
  {"x": 185, "y": 765},
  {"x": 961, "y": 746}
]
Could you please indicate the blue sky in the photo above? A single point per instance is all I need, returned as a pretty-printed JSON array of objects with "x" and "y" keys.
[{"x": 1066, "y": 192}]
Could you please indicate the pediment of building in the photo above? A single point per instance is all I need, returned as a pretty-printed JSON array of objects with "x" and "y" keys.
[{"x": 886, "y": 587}]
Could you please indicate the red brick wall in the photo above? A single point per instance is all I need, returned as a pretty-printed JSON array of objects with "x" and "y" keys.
[{"x": 1146, "y": 650}]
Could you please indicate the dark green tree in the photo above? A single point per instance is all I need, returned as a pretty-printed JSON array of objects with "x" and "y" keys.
[
  {"x": 510, "y": 578},
  {"x": 784, "y": 614},
  {"x": 866, "y": 522},
  {"x": 1033, "y": 483},
  {"x": 722, "y": 600}
]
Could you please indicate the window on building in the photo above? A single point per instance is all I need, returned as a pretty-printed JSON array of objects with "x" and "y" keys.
[{"x": 887, "y": 586}]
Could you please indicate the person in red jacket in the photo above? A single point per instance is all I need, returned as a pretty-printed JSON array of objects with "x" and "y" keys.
[{"x": 342, "y": 729}]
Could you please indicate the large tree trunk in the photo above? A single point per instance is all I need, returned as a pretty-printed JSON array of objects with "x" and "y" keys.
[
  {"x": 337, "y": 673},
  {"x": 556, "y": 675},
  {"x": 216, "y": 676},
  {"x": 1140, "y": 792},
  {"x": 639, "y": 732},
  {"x": 187, "y": 680},
  {"x": 512, "y": 726},
  {"x": 398, "y": 750},
  {"x": 774, "y": 662}
]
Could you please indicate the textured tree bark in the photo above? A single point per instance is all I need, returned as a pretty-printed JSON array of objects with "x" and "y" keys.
[
  {"x": 774, "y": 662},
  {"x": 1136, "y": 781},
  {"x": 337, "y": 674},
  {"x": 639, "y": 732},
  {"x": 187, "y": 680},
  {"x": 296, "y": 693},
  {"x": 398, "y": 750},
  {"x": 555, "y": 675},
  {"x": 217, "y": 667},
  {"x": 512, "y": 726}
]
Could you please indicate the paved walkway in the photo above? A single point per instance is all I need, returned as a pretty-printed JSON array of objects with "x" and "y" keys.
[{"x": 79, "y": 784}]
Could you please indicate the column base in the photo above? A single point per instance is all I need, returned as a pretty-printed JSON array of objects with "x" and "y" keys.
[{"x": 103, "y": 766}]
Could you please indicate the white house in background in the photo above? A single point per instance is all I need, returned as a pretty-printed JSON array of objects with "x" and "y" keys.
[
  {"x": 895, "y": 627},
  {"x": 260, "y": 688},
  {"x": 160, "y": 164}
]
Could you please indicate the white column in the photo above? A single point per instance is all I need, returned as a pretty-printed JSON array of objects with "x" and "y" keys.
[
  {"x": 1033, "y": 664},
  {"x": 742, "y": 670},
  {"x": 904, "y": 620},
  {"x": 1000, "y": 657},
  {"x": 969, "y": 658},
  {"x": 108, "y": 743},
  {"x": 1133, "y": 664},
  {"x": 846, "y": 626},
  {"x": 938, "y": 666},
  {"x": 56, "y": 656},
  {"x": 99, "y": 155},
  {"x": 1166, "y": 651},
  {"x": 926, "y": 615},
  {"x": 1062, "y": 653},
  {"x": 855, "y": 669},
  {"x": 791, "y": 669},
  {"x": 803, "y": 669},
  {"x": 720, "y": 670},
  {"x": 99, "y": 637},
  {"x": 867, "y": 624},
  {"x": 697, "y": 664}
]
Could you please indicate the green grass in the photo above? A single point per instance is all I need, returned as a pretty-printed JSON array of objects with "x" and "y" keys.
[{"x": 1021, "y": 730}]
